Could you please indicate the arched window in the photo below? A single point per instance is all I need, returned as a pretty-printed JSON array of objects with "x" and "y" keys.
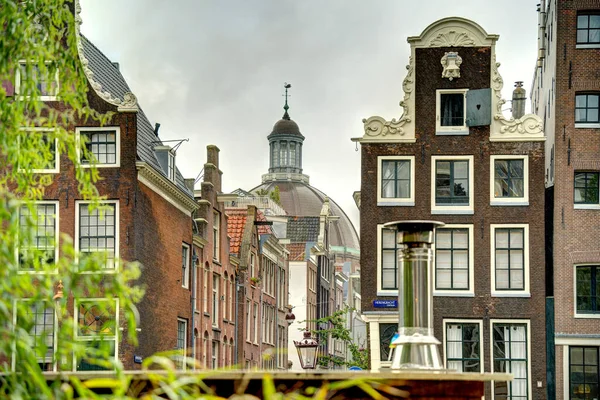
[
  {"x": 232, "y": 350},
  {"x": 205, "y": 356},
  {"x": 225, "y": 352}
]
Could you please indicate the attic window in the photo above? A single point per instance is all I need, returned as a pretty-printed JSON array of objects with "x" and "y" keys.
[
  {"x": 166, "y": 158},
  {"x": 171, "y": 166}
]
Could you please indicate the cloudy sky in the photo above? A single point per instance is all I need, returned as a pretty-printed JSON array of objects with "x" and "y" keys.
[{"x": 213, "y": 72}]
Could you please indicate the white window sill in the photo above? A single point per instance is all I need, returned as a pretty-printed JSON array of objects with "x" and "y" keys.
[
  {"x": 588, "y": 46},
  {"x": 587, "y": 316},
  {"x": 87, "y": 165},
  {"x": 453, "y": 210},
  {"x": 40, "y": 98},
  {"x": 395, "y": 204},
  {"x": 511, "y": 294},
  {"x": 586, "y": 206},
  {"x": 508, "y": 203},
  {"x": 587, "y": 125},
  {"x": 453, "y": 293},
  {"x": 450, "y": 132},
  {"x": 388, "y": 293}
]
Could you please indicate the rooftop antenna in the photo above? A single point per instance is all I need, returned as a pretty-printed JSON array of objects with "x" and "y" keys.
[{"x": 286, "y": 107}]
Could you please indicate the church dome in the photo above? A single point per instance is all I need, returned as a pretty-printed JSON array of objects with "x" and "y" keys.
[
  {"x": 300, "y": 199},
  {"x": 285, "y": 127}
]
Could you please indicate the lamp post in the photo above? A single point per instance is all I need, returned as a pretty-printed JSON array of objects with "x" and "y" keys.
[
  {"x": 308, "y": 351},
  {"x": 415, "y": 345}
]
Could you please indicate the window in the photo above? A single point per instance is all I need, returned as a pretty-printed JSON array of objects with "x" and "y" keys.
[
  {"x": 205, "y": 291},
  {"x": 248, "y": 330},
  {"x": 97, "y": 231},
  {"x": 102, "y": 144},
  {"x": 181, "y": 341},
  {"x": 185, "y": 265},
  {"x": 451, "y": 189},
  {"x": 171, "y": 165},
  {"x": 45, "y": 81},
  {"x": 96, "y": 326},
  {"x": 206, "y": 349},
  {"x": 587, "y": 280},
  {"x": 386, "y": 334},
  {"x": 454, "y": 260},
  {"x": 251, "y": 265},
  {"x": 451, "y": 111},
  {"x": 510, "y": 351},
  {"x": 215, "y": 355},
  {"x": 255, "y": 316},
  {"x": 216, "y": 235},
  {"x": 509, "y": 177},
  {"x": 588, "y": 30},
  {"x": 232, "y": 293},
  {"x": 510, "y": 260},
  {"x": 39, "y": 235},
  {"x": 395, "y": 181},
  {"x": 387, "y": 259},
  {"x": 462, "y": 340},
  {"x": 585, "y": 189},
  {"x": 215, "y": 300},
  {"x": 39, "y": 319},
  {"x": 586, "y": 110},
  {"x": 41, "y": 148},
  {"x": 583, "y": 372}
]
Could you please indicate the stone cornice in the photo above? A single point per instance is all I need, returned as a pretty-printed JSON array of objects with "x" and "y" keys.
[
  {"x": 453, "y": 32},
  {"x": 165, "y": 188},
  {"x": 129, "y": 101}
]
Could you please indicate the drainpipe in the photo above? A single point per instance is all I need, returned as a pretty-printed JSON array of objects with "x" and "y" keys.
[{"x": 194, "y": 288}]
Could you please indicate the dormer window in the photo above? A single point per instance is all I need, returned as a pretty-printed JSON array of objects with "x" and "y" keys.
[
  {"x": 171, "y": 165},
  {"x": 45, "y": 82},
  {"x": 166, "y": 158}
]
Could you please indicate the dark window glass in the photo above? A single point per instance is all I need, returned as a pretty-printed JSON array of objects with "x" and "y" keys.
[
  {"x": 452, "y": 259},
  {"x": 452, "y": 109},
  {"x": 38, "y": 235},
  {"x": 389, "y": 259},
  {"x": 462, "y": 347},
  {"x": 510, "y": 258},
  {"x": 97, "y": 231},
  {"x": 586, "y": 108},
  {"x": 386, "y": 333},
  {"x": 588, "y": 29},
  {"x": 583, "y": 372},
  {"x": 510, "y": 356},
  {"x": 395, "y": 179},
  {"x": 586, "y": 188},
  {"x": 588, "y": 289},
  {"x": 102, "y": 145},
  {"x": 508, "y": 178},
  {"x": 452, "y": 182}
]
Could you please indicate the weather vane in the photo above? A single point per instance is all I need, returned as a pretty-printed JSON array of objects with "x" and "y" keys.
[{"x": 286, "y": 107}]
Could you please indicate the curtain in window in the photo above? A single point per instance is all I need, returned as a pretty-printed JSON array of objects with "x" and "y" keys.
[
  {"x": 518, "y": 354},
  {"x": 454, "y": 347}
]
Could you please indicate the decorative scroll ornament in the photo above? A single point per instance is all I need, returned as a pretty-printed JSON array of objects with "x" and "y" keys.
[
  {"x": 452, "y": 39},
  {"x": 451, "y": 63},
  {"x": 378, "y": 126},
  {"x": 129, "y": 102}
]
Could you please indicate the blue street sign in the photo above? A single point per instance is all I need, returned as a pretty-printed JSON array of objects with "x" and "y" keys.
[{"x": 385, "y": 303}]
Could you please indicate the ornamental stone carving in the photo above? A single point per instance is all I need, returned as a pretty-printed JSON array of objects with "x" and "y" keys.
[
  {"x": 452, "y": 38},
  {"x": 451, "y": 65}
]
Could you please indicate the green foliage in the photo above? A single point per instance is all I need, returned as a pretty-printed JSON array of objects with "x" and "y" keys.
[
  {"x": 335, "y": 327},
  {"x": 275, "y": 195}
]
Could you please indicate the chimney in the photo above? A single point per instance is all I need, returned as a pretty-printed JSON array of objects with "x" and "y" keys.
[
  {"x": 156, "y": 128},
  {"x": 189, "y": 183},
  {"x": 116, "y": 65},
  {"x": 518, "y": 100}
]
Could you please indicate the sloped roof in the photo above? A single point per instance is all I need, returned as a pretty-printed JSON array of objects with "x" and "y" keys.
[
  {"x": 112, "y": 81},
  {"x": 303, "y": 229},
  {"x": 297, "y": 251},
  {"x": 263, "y": 229},
  {"x": 236, "y": 222}
]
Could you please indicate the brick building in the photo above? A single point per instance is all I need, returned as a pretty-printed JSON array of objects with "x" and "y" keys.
[
  {"x": 454, "y": 157},
  {"x": 148, "y": 218},
  {"x": 565, "y": 94}
]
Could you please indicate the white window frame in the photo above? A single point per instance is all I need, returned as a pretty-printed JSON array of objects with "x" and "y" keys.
[
  {"x": 526, "y": 272},
  {"x": 55, "y": 339},
  {"x": 44, "y": 131},
  {"x": 509, "y": 201},
  {"x": 575, "y": 313},
  {"x": 252, "y": 264},
  {"x": 459, "y": 292},
  {"x": 566, "y": 343},
  {"x": 585, "y": 206},
  {"x": 116, "y": 203},
  {"x": 98, "y": 164},
  {"x": 215, "y": 297},
  {"x": 380, "y": 290},
  {"x": 255, "y": 312},
  {"x": 450, "y": 130},
  {"x": 248, "y": 326},
  {"x": 185, "y": 274},
  {"x": 18, "y": 83},
  {"x": 584, "y": 45},
  {"x": 171, "y": 169},
  {"x": 216, "y": 235},
  {"x": 449, "y": 209},
  {"x": 491, "y": 349},
  {"x": 214, "y": 353},
  {"x": 56, "y": 237},
  {"x": 464, "y": 321},
  {"x": 90, "y": 338},
  {"x": 396, "y": 201},
  {"x": 185, "y": 341}
]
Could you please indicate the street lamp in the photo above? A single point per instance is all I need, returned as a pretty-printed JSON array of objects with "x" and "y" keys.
[
  {"x": 308, "y": 351},
  {"x": 415, "y": 346}
]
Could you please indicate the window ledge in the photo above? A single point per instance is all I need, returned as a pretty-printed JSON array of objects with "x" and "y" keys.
[
  {"x": 395, "y": 204},
  {"x": 587, "y": 125},
  {"x": 456, "y": 293},
  {"x": 388, "y": 293},
  {"x": 216, "y": 328},
  {"x": 588, "y": 46},
  {"x": 511, "y": 294},
  {"x": 99, "y": 165},
  {"x": 206, "y": 314},
  {"x": 586, "y": 206},
  {"x": 509, "y": 203},
  {"x": 456, "y": 210},
  {"x": 458, "y": 132},
  {"x": 587, "y": 316},
  {"x": 217, "y": 262}
]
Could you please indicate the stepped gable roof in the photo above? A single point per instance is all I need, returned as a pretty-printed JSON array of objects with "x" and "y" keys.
[
  {"x": 111, "y": 79},
  {"x": 301, "y": 199},
  {"x": 236, "y": 222},
  {"x": 303, "y": 229}
]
